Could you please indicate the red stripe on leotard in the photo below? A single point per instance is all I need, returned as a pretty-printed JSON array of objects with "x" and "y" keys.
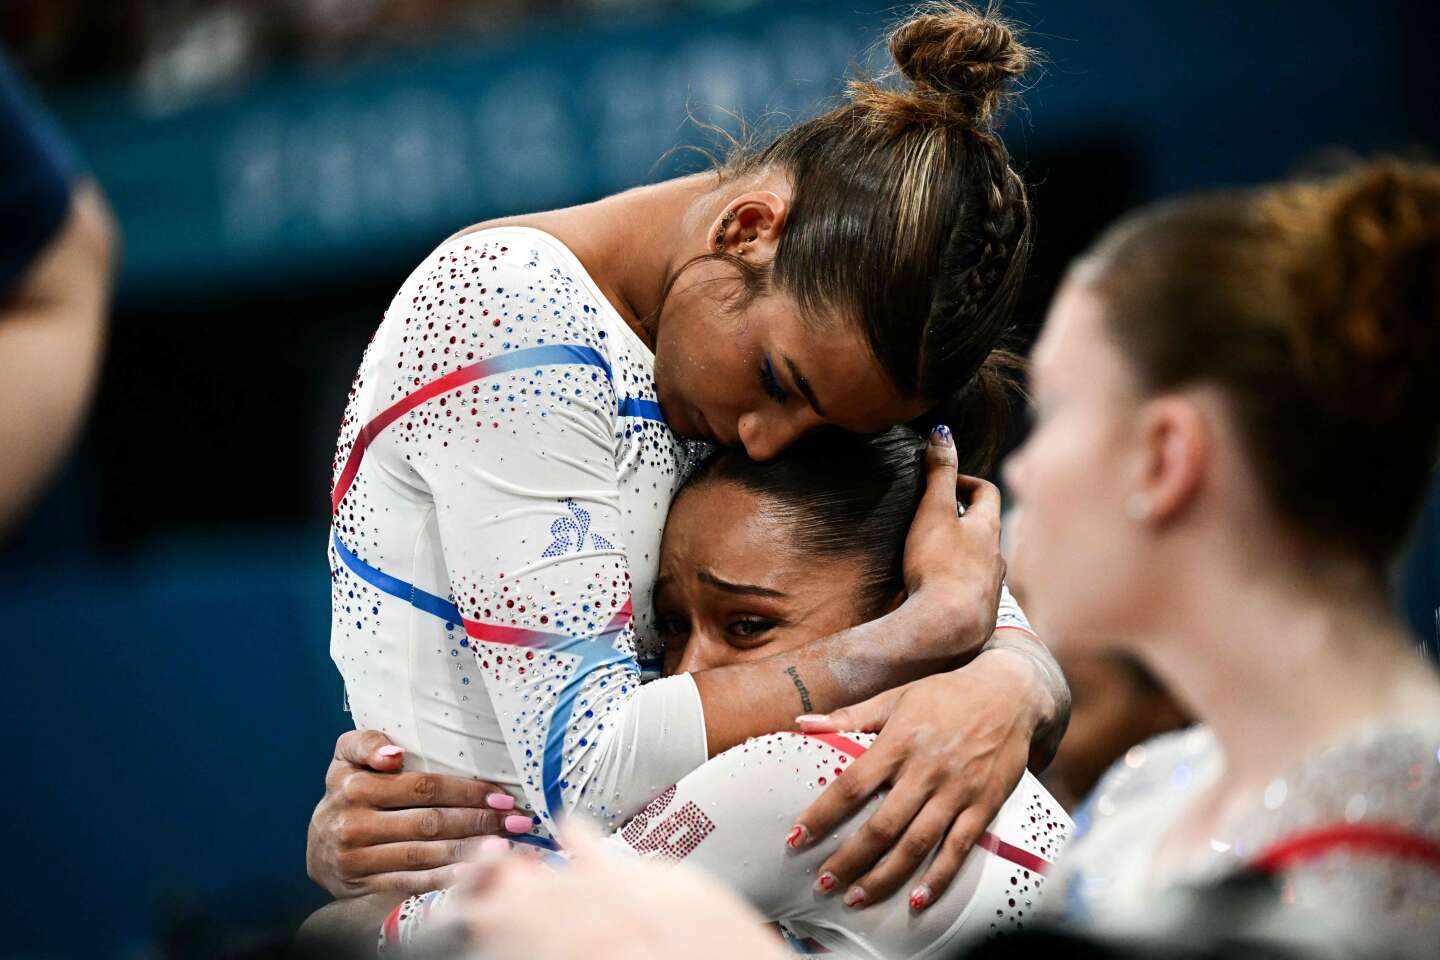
[
  {"x": 988, "y": 841},
  {"x": 1375, "y": 838}
]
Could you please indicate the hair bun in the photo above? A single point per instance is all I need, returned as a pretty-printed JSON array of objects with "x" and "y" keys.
[
  {"x": 954, "y": 51},
  {"x": 1381, "y": 329}
]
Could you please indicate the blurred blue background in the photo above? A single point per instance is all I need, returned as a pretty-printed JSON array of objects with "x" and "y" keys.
[{"x": 277, "y": 168}]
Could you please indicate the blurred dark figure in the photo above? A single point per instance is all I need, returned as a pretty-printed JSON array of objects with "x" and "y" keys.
[
  {"x": 57, "y": 243},
  {"x": 1115, "y": 704}
]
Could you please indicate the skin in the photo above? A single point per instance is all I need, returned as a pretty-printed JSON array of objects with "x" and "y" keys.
[
  {"x": 708, "y": 372},
  {"x": 734, "y": 586},
  {"x": 52, "y": 335},
  {"x": 1146, "y": 530}
]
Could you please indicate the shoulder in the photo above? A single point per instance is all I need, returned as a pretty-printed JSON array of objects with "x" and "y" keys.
[
  {"x": 504, "y": 295},
  {"x": 1169, "y": 762}
]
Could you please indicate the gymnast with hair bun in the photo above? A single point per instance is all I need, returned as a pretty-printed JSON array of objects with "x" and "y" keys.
[
  {"x": 1244, "y": 390},
  {"x": 537, "y": 392}
]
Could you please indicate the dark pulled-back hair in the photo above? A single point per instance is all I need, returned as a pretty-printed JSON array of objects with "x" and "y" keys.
[
  {"x": 1315, "y": 307},
  {"x": 841, "y": 494},
  {"x": 908, "y": 219}
]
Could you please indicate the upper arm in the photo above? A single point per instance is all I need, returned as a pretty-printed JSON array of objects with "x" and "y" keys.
[{"x": 52, "y": 328}]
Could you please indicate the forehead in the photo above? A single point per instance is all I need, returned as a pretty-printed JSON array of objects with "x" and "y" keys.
[
  {"x": 834, "y": 355},
  {"x": 1074, "y": 344},
  {"x": 719, "y": 524}
]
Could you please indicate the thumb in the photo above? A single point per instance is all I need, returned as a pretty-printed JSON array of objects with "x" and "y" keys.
[
  {"x": 867, "y": 716},
  {"x": 369, "y": 748},
  {"x": 942, "y": 467}
]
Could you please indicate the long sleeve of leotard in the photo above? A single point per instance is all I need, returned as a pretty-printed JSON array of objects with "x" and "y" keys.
[
  {"x": 730, "y": 817},
  {"x": 517, "y": 444}
]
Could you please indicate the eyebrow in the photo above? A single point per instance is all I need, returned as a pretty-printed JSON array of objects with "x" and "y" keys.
[
  {"x": 804, "y": 387},
  {"x": 743, "y": 589}
]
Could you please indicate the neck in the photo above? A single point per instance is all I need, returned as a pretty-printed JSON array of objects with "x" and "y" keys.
[
  {"x": 1282, "y": 665},
  {"x": 632, "y": 244}
]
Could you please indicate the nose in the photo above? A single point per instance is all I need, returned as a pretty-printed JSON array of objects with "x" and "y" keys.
[
  {"x": 1012, "y": 471},
  {"x": 697, "y": 655},
  {"x": 765, "y": 434}
]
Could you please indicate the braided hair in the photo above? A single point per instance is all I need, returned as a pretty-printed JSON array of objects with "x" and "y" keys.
[{"x": 908, "y": 219}]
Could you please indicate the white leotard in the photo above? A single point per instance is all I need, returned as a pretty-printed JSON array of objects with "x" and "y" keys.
[
  {"x": 501, "y": 482},
  {"x": 731, "y": 816}
]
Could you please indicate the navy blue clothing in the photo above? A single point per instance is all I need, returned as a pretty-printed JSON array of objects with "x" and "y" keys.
[{"x": 37, "y": 170}]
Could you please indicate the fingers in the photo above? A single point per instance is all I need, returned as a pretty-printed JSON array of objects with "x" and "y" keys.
[
  {"x": 393, "y": 791},
  {"x": 429, "y": 823},
  {"x": 941, "y": 468},
  {"x": 876, "y": 837},
  {"x": 405, "y": 883},
  {"x": 408, "y": 857},
  {"x": 981, "y": 498},
  {"x": 958, "y": 844},
  {"x": 369, "y": 748},
  {"x": 868, "y": 716},
  {"x": 924, "y": 833},
  {"x": 850, "y": 791}
]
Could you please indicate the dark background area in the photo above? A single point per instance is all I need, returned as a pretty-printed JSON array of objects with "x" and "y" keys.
[{"x": 278, "y": 168}]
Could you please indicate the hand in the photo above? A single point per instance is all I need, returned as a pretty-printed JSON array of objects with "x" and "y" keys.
[
  {"x": 954, "y": 561},
  {"x": 379, "y": 830},
  {"x": 605, "y": 905},
  {"x": 951, "y": 749}
]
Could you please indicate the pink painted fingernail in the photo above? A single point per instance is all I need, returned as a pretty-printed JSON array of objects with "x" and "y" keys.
[
  {"x": 390, "y": 751},
  {"x": 500, "y": 801},
  {"x": 797, "y": 837},
  {"x": 920, "y": 897},
  {"x": 825, "y": 882},
  {"x": 517, "y": 824},
  {"x": 494, "y": 845},
  {"x": 855, "y": 897}
]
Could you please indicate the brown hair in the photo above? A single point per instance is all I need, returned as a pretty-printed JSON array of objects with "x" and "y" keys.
[
  {"x": 908, "y": 219},
  {"x": 1316, "y": 307}
]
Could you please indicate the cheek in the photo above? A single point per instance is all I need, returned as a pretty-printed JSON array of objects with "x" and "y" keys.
[{"x": 1070, "y": 539}]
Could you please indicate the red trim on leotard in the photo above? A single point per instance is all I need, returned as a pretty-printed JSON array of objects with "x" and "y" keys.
[
  {"x": 390, "y": 929},
  {"x": 395, "y": 411},
  {"x": 1373, "y": 838},
  {"x": 988, "y": 841}
]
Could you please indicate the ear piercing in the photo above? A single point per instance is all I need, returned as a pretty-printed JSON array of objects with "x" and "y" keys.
[{"x": 725, "y": 222}]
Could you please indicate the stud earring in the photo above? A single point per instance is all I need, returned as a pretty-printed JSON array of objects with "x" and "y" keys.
[
  {"x": 1137, "y": 507},
  {"x": 725, "y": 222}
]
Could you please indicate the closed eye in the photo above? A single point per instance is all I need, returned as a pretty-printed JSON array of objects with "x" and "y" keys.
[{"x": 770, "y": 383}]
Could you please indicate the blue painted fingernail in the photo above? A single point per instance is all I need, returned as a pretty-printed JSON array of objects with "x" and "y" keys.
[{"x": 940, "y": 436}]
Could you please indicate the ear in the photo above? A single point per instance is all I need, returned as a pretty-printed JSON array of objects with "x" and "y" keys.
[
  {"x": 750, "y": 226},
  {"x": 1176, "y": 451}
]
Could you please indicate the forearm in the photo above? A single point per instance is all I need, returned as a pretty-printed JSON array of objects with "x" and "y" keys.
[
  {"x": 762, "y": 696},
  {"x": 1041, "y": 686}
]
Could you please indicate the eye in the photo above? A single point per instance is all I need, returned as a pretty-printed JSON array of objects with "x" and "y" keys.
[
  {"x": 769, "y": 383},
  {"x": 751, "y": 628},
  {"x": 671, "y": 628}
]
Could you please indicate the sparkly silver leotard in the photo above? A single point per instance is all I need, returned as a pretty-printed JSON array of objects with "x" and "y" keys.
[{"x": 1372, "y": 900}]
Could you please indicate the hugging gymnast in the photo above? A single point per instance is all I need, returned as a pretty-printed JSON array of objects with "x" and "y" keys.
[{"x": 531, "y": 402}]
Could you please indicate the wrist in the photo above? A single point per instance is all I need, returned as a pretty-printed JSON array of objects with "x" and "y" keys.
[
  {"x": 1024, "y": 681},
  {"x": 956, "y": 614}
]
